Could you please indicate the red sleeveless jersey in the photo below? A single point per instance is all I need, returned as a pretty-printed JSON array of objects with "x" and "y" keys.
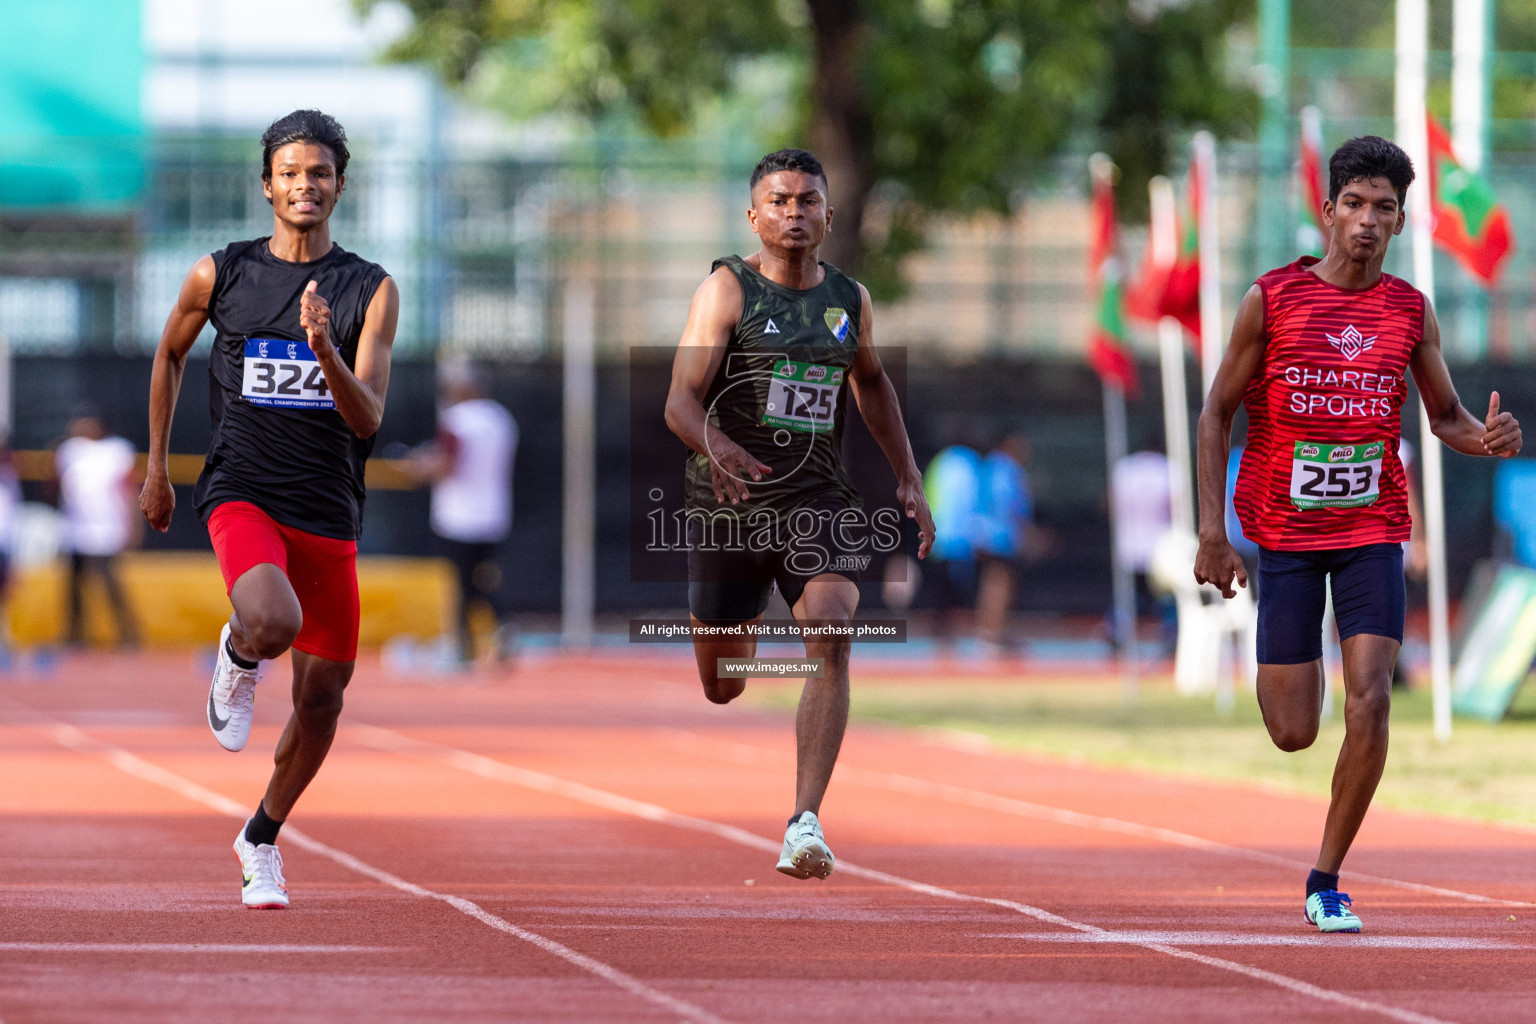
[{"x": 1325, "y": 413}]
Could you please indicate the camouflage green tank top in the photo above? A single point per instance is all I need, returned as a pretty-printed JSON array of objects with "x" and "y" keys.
[{"x": 781, "y": 391}]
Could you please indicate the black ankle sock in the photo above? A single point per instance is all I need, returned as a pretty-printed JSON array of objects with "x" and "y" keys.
[
  {"x": 262, "y": 829},
  {"x": 795, "y": 818},
  {"x": 1317, "y": 881},
  {"x": 229, "y": 649}
]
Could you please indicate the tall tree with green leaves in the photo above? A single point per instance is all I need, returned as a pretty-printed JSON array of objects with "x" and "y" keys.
[{"x": 914, "y": 106}]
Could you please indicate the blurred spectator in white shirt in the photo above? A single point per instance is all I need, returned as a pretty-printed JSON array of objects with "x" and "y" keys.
[
  {"x": 1143, "y": 512},
  {"x": 96, "y": 497},
  {"x": 469, "y": 466}
]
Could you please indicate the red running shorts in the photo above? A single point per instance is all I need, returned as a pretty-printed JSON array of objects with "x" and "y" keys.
[{"x": 321, "y": 570}]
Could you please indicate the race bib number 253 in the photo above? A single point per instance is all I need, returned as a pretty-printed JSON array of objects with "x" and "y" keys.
[
  {"x": 1336, "y": 475},
  {"x": 283, "y": 373}
]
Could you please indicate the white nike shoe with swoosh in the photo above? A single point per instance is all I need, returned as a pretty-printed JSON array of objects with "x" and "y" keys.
[
  {"x": 262, "y": 886},
  {"x": 231, "y": 698}
]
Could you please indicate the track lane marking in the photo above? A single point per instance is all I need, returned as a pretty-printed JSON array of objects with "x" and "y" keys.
[
  {"x": 748, "y": 754},
  {"x": 542, "y": 782},
  {"x": 186, "y": 947},
  {"x": 131, "y": 764},
  {"x": 1312, "y": 940}
]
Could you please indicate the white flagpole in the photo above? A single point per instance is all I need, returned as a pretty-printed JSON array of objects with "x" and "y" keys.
[
  {"x": 1115, "y": 448},
  {"x": 578, "y": 528},
  {"x": 1170, "y": 344},
  {"x": 1312, "y": 135},
  {"x": 1124, "y": 585},
  {"x": 1469, "y": 114},
  {"x": 1210, "y": 262},
  {"x": 1469, "y": 68},
  {"x": 1413, "y": 136}
]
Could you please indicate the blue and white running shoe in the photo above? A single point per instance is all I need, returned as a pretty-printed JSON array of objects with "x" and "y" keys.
[{"x": 1329, "y": 910}]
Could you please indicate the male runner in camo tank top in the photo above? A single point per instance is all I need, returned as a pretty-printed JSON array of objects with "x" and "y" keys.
[{"x": 774, "y": 345}]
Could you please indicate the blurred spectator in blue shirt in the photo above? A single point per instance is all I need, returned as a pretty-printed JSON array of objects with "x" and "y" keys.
[
  {"x": 953, "y": 486},
  {"x": 1004, "y": 519}
]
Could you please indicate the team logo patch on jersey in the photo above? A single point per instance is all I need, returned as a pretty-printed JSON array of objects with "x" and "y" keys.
[
  {"x": 837, "y": 322},
  {"x": 1351, "y": 342},
  {"x": 772, "y": 327}
]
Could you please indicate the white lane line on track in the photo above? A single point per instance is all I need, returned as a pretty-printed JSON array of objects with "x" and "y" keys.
[
  {"x": 132, "y": 764},
  {"x": 243, "y": 948},
  {"x": 746, "y": 753},
  {"x": 1314, "y": 940},
  {"x": 490, "y": 768}
]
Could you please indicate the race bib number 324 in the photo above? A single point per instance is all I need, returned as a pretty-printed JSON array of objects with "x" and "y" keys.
[
  {"x": 283, "y": 373},
  {"x": 1336, "y": 475}
]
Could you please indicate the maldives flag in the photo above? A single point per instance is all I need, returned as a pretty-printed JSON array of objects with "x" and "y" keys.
[
  {"x": 1181, "y": 298},
  {"x": 1169, "y": 281},
  {"x": 1107, "y": 352},
  {"x": 1470, "y": 223},
  {"x": 1311, "y": 237}
]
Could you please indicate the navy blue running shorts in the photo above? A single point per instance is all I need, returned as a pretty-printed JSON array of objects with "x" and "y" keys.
[{"x": 1369, "y": 596}]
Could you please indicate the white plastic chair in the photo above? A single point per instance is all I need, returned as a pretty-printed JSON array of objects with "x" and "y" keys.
[{"x": 1217, "y": 636}]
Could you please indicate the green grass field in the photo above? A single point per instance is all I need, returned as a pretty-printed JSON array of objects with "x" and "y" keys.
[{"x": 1487, "y": 771}]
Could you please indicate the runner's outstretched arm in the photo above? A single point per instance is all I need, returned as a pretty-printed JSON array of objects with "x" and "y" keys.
[
  {"x": 715, "y": 309},
  {"x": 1498, "y": 434},
  {"x": 359, "y": 396},
  {"x": 1217, "y": 562},
  {"x": 157, "y": 499},
  {"x": 877, "y": 403}
]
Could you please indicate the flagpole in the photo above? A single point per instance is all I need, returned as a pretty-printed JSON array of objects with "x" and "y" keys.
[
  {"x": 1170, "y": 346},
  {"x": 1312, "y": 140},
  {"x": 1412, "y": 135},
  {"x": 1469, "y": 113},
  {"x": 1115, "y": 449},
  {"x": 1210, "y": 261},
  {"x": 1469, "y": 70},
  {"x": 1101, "y": 171}
]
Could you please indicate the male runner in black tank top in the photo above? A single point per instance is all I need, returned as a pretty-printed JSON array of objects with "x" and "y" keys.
[
  {"x": 774, "y": 343},
  {"x": 298, "y": 373}
]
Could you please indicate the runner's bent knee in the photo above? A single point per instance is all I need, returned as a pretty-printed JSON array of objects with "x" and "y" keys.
[
  {"x": 1369, "y": 707},
  {"x": 269, "y": 625}
]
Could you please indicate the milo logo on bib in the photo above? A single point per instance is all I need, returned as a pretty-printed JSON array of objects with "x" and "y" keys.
[
  {"x": 802, "y": 397},
  {"x": 1335, "y": 475}
]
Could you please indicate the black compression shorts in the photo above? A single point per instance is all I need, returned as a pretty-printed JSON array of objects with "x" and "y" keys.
[{"x": 733, "y": 563}]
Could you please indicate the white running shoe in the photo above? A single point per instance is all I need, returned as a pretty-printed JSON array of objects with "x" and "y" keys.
[
  {"x": 261, "y": 875},
  {"x": 231, "y": 698},
  {"x": 805, "y": 851}
]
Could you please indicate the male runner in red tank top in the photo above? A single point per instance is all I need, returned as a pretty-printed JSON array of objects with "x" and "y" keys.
[
  {"x": 298, "y": 374},
  {"x": 1318, "y": 355}
]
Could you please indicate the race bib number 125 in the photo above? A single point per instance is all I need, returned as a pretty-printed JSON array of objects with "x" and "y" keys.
[
  {"x": 1336, "y": 475},
  {"x": 803, "y": 396},
  {"x": 283, "y": 373}
]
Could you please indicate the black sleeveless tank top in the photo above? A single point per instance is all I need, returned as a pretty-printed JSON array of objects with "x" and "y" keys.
[
  {"x": 781, "y": 391},
  {"x": 278, "y": 441}
]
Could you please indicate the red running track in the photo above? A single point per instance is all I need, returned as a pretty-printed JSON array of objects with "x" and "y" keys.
[{"x": 590, "y": 840}]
